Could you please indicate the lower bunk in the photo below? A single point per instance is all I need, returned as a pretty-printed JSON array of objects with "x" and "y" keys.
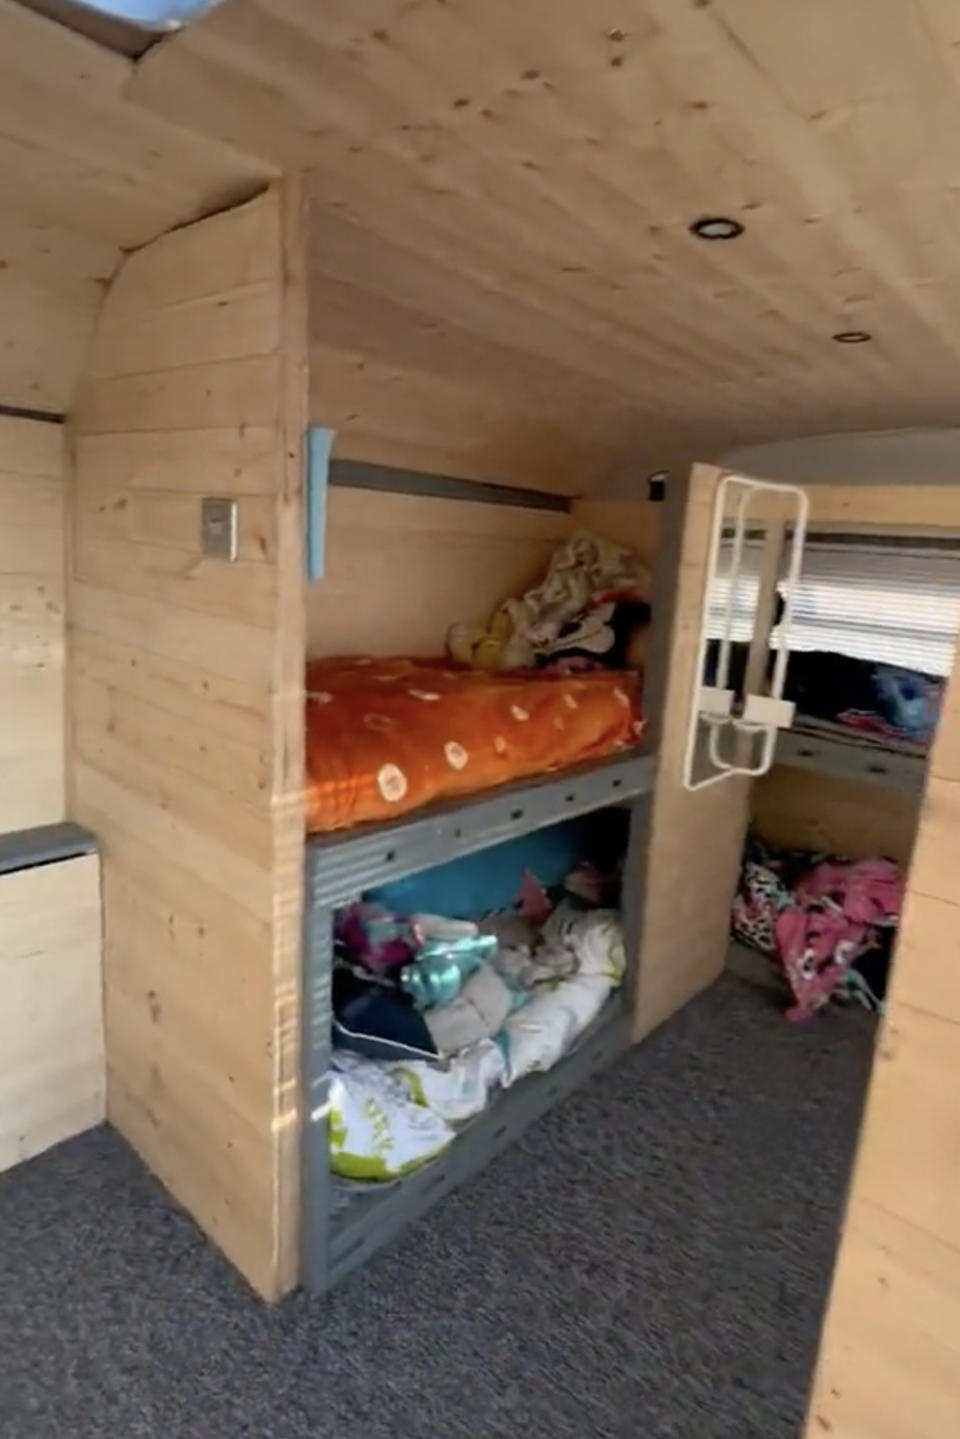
[
  {"x": 431, "y": 1041},
  {"x": 823, "y": 876},
  {"x": 826, "y": 924},
  {"x": 365, "y": 1218}
]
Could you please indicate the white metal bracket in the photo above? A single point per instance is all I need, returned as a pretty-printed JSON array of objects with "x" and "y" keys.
[
  {"x": 714, "y": 703},
  {"x": 730, "y": 728}
]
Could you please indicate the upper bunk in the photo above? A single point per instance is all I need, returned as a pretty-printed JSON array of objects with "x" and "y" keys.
[
  {"x": 503, "y": 651},
  {"x": 876, "y": 609},
  {"x": 871, "y": 717}
]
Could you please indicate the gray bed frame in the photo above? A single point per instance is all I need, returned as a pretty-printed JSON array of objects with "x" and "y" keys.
[{"x": 846, "y": 753}]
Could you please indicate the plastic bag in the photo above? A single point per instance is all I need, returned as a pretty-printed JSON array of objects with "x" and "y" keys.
[
  {"x": 459, "y": 1090},
  {"x": 376, "y": 1131}
]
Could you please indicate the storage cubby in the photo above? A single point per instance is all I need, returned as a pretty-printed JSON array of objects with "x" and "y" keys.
[{"x": 344, "y": 1227}]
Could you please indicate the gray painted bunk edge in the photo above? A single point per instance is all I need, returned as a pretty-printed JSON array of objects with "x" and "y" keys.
[
  {"x": 391, "y": 479},
  {"x": 337, "y": 1236},
  {"x": 44, "y": 844},
  {"x": 869, "y": 761},
  {"x": 342, "y": 864}
]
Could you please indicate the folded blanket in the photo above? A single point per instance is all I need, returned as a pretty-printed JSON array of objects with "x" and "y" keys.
[{"x": 386, "y": 736}]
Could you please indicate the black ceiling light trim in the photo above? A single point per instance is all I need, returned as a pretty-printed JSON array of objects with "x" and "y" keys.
[
  {"x": 716, "y": 227},
  {"x": 657, "y": 486},
  {"x": 852, "y": 337}
]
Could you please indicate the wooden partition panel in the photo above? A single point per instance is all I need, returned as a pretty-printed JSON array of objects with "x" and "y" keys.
[
  {"x": 890, "y": 1354},
  {"x": 637, "y": 523},
  {"x": 31, "y": 623},
  {"x": 51, "y": 1016},
  {"x": 401, "y": 568},
  {"x": 804, "y": 809},
  {"x": 185, "y": 706},
  {"x": 52, "y": 278},
  {"x": 696, "y": 838}
]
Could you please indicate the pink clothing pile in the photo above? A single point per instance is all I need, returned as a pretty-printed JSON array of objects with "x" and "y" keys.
[{"x": 833, "y": 916}]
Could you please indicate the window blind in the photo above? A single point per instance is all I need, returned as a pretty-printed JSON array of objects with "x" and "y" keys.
[
  {"x": 745, "y": 592},
  {"x": 895, "y": 603},
  {"x": 892, "y": 603}
]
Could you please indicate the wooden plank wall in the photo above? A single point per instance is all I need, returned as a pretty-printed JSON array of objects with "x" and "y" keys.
[
  {"x": 51, "y": 1016},
  {"x": 696, "y": 839},
  {"x": 890, "y": 1353},
  {"x": 417, "y": 363},
  {"x": 186, "y": 698},
  {"x": 31, "y": 623},
  {"x": 85, "y": 175},
  {"x": 792, "y": 807},
  {"x": 51, "y": 286},
  {"x": 637, "y": 523},
  {"x": 400, "y": 569},
  {"x": 926, "y": 510},
  {"x": 903, "y": 478}
]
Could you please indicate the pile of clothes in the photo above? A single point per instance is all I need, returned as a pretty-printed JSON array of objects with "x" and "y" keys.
[
  {"x": 591, "y": 611},
  {"x": 829, "y": 923},
  {"x": 881, "y": 699},
  {"x": 431, "y": 1015}
]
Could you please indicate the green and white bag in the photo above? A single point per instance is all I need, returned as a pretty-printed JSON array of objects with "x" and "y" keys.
[{"x": 376, "y": 1131}]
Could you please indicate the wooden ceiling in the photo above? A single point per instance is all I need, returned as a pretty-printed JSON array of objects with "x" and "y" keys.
[
  {"x": 519, "y": 178},
  {"x": 504, "y": 281}
]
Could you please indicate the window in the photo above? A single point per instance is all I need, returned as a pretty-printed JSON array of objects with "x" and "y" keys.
[
  {"x": 897, "y": 602},
  {"x": 745, "y": 594}
]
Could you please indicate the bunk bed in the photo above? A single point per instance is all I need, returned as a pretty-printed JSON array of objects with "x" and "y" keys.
[
  {"x": 859, "y": 713},
  {"x": 411, "y": 765}
]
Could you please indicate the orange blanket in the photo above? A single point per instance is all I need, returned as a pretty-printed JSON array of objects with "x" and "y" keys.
[{"x": 386, "y": 736}]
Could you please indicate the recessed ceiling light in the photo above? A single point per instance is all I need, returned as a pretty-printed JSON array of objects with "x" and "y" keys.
[
  {"x": 716, "y": 227},
  {"x": 852, "y": 337}
]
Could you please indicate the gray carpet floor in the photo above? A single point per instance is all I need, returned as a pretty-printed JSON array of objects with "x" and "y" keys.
[{"x": 650, "y": 1262}]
